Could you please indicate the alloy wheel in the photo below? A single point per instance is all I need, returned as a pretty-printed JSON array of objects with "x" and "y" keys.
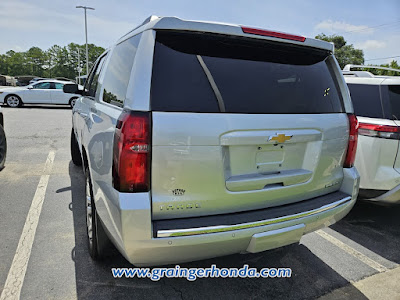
[
  {"x": 89, "y": 213},
  {"x": 13, "y": 101}
]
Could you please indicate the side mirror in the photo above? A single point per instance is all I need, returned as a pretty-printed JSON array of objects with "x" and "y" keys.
[
  {"x": 72, "y": 88},
  {"x": 30, "y": 87}
]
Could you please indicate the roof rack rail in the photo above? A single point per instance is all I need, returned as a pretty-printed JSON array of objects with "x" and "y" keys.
[
  {"x": 358, "y": 74},
  {"x": 349, "y": 66}
]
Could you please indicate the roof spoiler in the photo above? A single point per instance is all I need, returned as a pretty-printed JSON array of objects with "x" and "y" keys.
[{"x": 148, "y": 20}]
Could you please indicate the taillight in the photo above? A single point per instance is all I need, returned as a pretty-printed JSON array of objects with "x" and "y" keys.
[
  {"x": 131, "y": 158},
  {"x": 352, "y": 146},
  {"x": 279, "y": 35},
  {"x": 380, "y": 131}
]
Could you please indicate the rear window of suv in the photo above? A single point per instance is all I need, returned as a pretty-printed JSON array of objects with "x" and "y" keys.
[
  {"x": 376, "y": 101},
  {"x": 215, "y": 73},
  {"x": 391, "y": 97},
  {"x": 366, "y": 100}
]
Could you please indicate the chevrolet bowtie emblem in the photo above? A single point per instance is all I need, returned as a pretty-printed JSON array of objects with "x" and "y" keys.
[{"x": 280, "y": 138}]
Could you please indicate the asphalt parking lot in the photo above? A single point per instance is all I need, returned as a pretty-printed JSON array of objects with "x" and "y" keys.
[{"x": 355, "y": 258}]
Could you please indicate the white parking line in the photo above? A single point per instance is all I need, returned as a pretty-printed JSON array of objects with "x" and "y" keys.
[
  {"x": 350, "y": 250},
  {"x": 16, "y": 274}
]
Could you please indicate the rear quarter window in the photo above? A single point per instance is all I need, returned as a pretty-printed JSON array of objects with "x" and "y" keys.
[
  {"x": 366, "y": 100},
  {"x": 391, "y": 98},
  {"x": 251, "y": 76},
  {"x": 118, "y": 71}
]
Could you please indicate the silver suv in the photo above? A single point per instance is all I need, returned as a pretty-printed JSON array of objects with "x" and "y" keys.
[
  {"x": 203, "y": 139},
  {"x": 376, "y": 101}
]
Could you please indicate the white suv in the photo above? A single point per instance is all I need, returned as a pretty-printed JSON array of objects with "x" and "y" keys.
[
  {"x": 376, "y": 101},
  {"x": 203, "y": 139}
]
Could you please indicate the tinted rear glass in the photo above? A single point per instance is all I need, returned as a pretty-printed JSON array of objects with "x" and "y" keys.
[
  {"x": 366, "y": 100},
  {"x": 251, "y": 76},
  {"x": 118, "y": 71},
  {"x": 393, "y": 94},
  {"x": 179, "y": 83}
]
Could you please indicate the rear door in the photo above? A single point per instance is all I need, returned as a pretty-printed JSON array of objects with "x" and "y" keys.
[
  {"x": 241, "y": 124},
  {"x": 87, "y": 110},
  {"x": 57, "y": 94}
]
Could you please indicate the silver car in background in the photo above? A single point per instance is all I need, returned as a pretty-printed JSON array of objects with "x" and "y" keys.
[
  {"x": 376, "y": 101},
  {"x": 204, "y": 139}
]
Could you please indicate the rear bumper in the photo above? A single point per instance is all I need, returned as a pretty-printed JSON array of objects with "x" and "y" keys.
[
  {"x": 138, "y": 240},
  {"x": 376, "y": 161},
  {"x": 249, "y": 219},
  {"x": 389, "y": 197}
]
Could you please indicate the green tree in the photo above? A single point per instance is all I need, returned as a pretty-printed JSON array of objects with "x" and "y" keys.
[
  {"x": 57, "y": 61},
  {"x": 16, "y": 63},
  {"x": 36, "y": 58},
  {"x": 3, "y": 64},
  {"x": 344, "y": 53},
  {"x": 94, "y": 53},
  {"x": 73, "y": 50}
]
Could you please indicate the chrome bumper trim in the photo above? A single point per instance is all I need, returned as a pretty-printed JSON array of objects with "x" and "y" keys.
[{"x": 223, "y": 228}]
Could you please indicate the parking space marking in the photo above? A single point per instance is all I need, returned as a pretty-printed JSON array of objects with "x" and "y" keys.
[
  {"x": 16, "y": 274},
  {"x": 350, "y": 250}
]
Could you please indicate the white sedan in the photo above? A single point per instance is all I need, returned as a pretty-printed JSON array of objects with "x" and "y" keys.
[{"x": 41, "y": 92}]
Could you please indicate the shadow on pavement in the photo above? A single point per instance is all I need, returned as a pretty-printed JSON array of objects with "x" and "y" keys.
[
  {"x": 310, "y": 279},
  {"x": 375, "y": 227}
]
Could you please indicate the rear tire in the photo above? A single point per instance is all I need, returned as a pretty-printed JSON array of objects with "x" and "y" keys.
[
  {"x": 3, "y": 147},
  {"x": 98, "y": 241},
  {"x": 72, "y": 101},
  {"x": 75, "y": 153}
]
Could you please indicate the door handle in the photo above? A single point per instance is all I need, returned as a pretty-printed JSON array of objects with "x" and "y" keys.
[{"x": 84, "y": 115}]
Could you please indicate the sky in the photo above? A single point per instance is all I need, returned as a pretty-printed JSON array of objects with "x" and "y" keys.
[{"x": 373, "y": 26}]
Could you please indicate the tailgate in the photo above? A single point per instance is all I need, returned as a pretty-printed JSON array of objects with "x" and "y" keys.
[
  {"x": 241, "y": 124},
  {"x": 211, "y": 164}
]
